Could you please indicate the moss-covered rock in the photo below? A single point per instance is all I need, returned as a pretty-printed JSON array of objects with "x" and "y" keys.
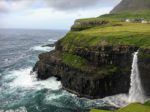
[{"x": 83, "y": 24}]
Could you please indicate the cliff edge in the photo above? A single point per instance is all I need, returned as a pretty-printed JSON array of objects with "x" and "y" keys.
[{"x": 94, "y": 59}]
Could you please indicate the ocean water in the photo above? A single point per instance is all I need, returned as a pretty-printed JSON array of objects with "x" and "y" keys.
[{"x": 20, "y": 91}]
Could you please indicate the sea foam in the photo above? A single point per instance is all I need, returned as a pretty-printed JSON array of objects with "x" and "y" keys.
[
  {"x": 52, "y": 40},
  {"x": 24, "y": 78},
  {"x": 41, "y": 48}
]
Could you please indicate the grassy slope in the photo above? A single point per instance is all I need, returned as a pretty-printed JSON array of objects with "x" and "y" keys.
[
  {"x": 145, "y": 14},
  {"x": 113, "y": 33},
  {"x": 116, "y": 33},
  {"x": 130, "y": 108},
  {"x": 95, "y": 110},
  {"x": 92, "y": 22}
]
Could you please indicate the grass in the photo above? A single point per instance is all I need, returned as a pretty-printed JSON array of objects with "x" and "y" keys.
[
  {"x": 95, "y": 110},
  {"x": 82, "y": 64},
  {"x": 147, "y": 103},
  {"x": 82, "y": 24},
  {"x": 74, "y": 61},
  {"x": 145, "y": 14},
  {"x": 109, "y": 29},
  {"x": 135, "y": 107},
  {"x": 117, "y": 33}
]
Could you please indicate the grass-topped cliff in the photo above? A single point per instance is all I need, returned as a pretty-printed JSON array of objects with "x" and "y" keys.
[
  {"x": 94, "y": 59},
  {"x": 109, "y": 30}
]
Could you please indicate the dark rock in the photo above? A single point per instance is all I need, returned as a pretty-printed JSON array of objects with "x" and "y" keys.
[
  {"x": 88, "y": 83},
  {"x": 82, "y": 25},
  {"x": 107, "y": 55},
  {"x": 144, "y": 69}
]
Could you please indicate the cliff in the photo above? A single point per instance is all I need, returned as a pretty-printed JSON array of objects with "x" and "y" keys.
[
  {"x": 94, "y": 59},
  {"x": 144, "y": 69},
  {"x": 132, "y": 6},
  {"x": 91, "y": 73}
]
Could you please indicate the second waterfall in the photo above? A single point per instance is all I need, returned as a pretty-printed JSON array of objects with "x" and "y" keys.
[{"x": 136, "y": 92}]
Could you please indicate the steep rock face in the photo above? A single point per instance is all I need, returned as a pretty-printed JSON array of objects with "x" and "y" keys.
[
  {"x": 144, "y": 69},
  {"x": 82, "y": 25},
  {"x": 131, "y": 5},
  {"x": 108, "y": 74},
  {"x": 107, "y": 55}
]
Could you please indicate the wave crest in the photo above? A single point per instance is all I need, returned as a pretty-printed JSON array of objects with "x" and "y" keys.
[
  {"x": 26, "y": 79},
  {"x": 41, "y": 48}
]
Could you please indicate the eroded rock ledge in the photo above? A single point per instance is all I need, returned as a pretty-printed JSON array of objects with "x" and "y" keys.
[{"x": 104, "y": 70}]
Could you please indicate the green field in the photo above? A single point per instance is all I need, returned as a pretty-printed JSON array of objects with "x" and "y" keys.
[
  {"x": 113, "y": 34},
  {"x": 135, "y": 107}
]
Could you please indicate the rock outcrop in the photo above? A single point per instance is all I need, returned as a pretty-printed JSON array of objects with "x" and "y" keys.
[
  {"x": 82, "y": 25},
  {"x": 108, "y": 72}
]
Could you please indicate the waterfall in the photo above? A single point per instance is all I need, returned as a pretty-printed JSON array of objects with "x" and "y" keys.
[{"x": 136, "y": 93}]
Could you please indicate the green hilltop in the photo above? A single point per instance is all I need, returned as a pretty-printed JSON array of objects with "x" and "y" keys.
[{"x": 110, "y": 29}]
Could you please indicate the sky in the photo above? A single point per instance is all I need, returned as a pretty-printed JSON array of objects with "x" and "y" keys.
[{"x": 50, "y": 14}]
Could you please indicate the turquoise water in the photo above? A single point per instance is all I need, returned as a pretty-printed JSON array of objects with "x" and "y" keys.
[{"x": 20, "y": 91}]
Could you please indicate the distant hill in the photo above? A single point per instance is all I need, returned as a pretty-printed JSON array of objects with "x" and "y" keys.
[{"x": 132, "y": 6}]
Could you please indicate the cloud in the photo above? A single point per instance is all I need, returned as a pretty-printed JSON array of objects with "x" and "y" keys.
[
  {"x": 70, "y": 4},
  {"x": 3, "y": 6},
  {"x": 15, "y": 5},
  {"x": 77, "y": 4},
  {"x": 45, "y": 13},
  {"x": 63, "y": 5}
]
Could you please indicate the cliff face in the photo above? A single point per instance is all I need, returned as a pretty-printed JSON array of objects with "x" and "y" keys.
[
  {"x": 131, "y": 5},
  {"x": 144, "y": 69},
  {"x": 108, "y": 74},
  {"x": 94, "y": 59}
]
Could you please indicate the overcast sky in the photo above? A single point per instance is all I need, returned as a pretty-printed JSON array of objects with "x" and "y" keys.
[{"x": 50, "y": 14}]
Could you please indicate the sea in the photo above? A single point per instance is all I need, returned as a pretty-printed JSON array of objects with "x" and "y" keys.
[{"x": 21, "y": 91}]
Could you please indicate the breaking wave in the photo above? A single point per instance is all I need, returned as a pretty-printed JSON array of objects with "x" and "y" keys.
[
  {"x": 24, "y": 78},
  {"x": 41, "y": 48}
]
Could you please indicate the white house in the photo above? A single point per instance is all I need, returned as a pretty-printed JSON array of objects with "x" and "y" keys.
[
  {"x": 144, "y": 22},
  {"x": 128, "y": 20}
]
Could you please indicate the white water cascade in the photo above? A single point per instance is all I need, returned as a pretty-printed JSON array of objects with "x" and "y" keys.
[{"x": 136, "y": 93}]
